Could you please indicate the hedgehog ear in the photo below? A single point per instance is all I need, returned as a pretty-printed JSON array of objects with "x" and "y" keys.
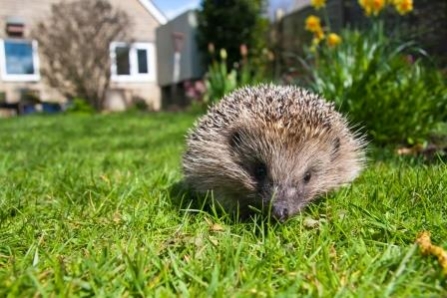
[
  {"x": 335, "y": 148},
  {"x": 235, "y": 139}
]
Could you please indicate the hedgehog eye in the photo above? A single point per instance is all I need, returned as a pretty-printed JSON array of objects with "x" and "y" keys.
[
  {"x": 260, "y": 171},
  {"x": 307, "y": 177}
]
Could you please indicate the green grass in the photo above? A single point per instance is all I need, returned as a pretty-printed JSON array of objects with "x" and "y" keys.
[{"x": 86, "y": 208}]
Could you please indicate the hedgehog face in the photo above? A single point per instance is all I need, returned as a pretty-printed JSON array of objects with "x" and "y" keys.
[
  {"x": 285, "y": 174},
  {"x": 283, "y": 198}
]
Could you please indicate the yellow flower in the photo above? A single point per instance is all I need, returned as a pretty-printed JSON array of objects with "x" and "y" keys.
[
  {"x": 403, "y": 6},
  {"x": 319, "y": 35},
  {"x": 333, "y": 40},
  {"x": 317, "y": 4},
  {"x": 372, "y": 6},
  {"x": 313, "y": 23}
]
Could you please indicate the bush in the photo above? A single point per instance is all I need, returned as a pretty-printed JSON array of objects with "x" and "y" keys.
[
  {"x": 230, "y": 23},
  {"x": 382, "y": 84},
  {"x": 79, "y": 106},
  {"x": 221, "y": 80},
  {"x": 394, "y": 98},
  {"x": 75, "y": 41}
]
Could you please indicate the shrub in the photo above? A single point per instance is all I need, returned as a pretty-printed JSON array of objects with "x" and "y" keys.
[
  {"x": 79, "y": 106},
  {"x": 221, "y": 80},
  {"x": 75, "y": 41},
  {"x": 384, "y": 86},
  {"x": 394, "y": 98},
  {"x": 230, "y": 23}
]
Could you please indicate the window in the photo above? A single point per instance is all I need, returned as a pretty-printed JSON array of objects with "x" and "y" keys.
[
  {"x": 122, "y": 60},
  {"x": 142, "y": 61},
  {"x": 133, "y": 62},
  {"x": 19, "y": 60}
]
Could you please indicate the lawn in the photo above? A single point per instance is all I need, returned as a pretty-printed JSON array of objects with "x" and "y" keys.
[{"x": 87, "y": 208}]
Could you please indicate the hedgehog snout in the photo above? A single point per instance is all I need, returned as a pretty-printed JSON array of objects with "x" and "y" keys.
[
  {"x": 280, "y": 212},
  {"x": 285, "y": 202}
]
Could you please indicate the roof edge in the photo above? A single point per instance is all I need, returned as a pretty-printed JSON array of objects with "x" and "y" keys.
[{"x": 153, "y": 10}]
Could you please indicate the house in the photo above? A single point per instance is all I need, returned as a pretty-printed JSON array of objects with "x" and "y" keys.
[
  {"x": 136, "y": 77},
  {"x": 182, "y": 64}
]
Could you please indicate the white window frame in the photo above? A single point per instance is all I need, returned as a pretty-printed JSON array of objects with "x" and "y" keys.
[
  {"x": 134, "y": 75},
  {"x": 19, "y": 77}
]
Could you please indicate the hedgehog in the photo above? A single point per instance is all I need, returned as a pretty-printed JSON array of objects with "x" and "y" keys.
[{"x": 271, "y": 147}]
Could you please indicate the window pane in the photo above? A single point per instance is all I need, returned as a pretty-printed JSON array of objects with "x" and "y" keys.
[
  {"x": 122, "y": 60},
  {"x": 19, "y": 58},
  {"x": 142, "y": 61}
]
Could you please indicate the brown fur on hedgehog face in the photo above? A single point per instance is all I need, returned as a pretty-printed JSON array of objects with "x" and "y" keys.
[{"x": 271, "y": 146}]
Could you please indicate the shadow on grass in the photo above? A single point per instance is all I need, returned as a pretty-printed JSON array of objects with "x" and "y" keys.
[{"x": 187, "y": 200}]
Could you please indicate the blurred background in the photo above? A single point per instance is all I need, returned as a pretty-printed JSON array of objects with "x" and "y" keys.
[{"x": 382, "y": 62}]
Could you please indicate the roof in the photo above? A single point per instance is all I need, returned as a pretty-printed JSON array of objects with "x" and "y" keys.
[{"x": 153, "y": 10}]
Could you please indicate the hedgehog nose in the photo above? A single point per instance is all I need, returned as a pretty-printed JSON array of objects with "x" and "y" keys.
[{"x": 280, "y": 213}]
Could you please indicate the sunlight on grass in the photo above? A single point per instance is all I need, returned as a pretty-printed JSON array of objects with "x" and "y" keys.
[{"x": 87, "y": 208}]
